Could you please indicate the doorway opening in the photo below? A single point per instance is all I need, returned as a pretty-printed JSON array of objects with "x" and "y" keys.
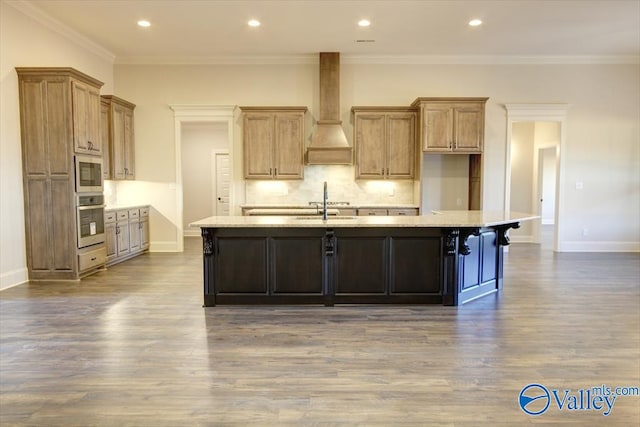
[
  {"x": 204, "y": 136},
  {"x": 536, "y": 136}
]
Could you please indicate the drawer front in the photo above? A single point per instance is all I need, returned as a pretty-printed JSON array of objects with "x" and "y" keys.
[
  {"x": 91, "y": 259},
  {"x": 120, "y": 215},
  {"x": 372, "y": 212},
  {"x": 109, "y": 217},
  {"x": 347, "y": 212},
  {"x": 134, "y": 213},
  {"x": 403, "y": 212},
  {"x": 144, "y": 212}
]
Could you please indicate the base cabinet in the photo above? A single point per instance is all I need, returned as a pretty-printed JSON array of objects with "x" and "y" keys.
[
  {"x": 127, "y": 233},
  {"x": 358, "y": 265}
]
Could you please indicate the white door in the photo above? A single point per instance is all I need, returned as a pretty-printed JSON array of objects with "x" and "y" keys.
[{"x": 222, "y": 180}]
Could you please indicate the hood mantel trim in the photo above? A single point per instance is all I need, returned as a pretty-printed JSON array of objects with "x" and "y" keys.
[{"x": 329, "y": 144}]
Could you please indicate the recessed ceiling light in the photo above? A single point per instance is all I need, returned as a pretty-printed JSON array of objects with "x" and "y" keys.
[
  {"x": 144, "y": 23},
  {"x": 475, "y": 22},
  {"x": 364, "y": 23},
  {"x": 253, "y": 23}
]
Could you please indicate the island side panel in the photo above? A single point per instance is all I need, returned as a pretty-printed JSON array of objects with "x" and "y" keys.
[{"x": 479, "y": 270}]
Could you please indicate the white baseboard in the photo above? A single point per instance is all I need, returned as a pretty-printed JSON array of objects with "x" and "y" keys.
[
  {"x": 13, "y": 278},
  {"x": 191, "y": 233},
  {"x": 578, "y": 246},
  {"x": 521, "y": 239}
]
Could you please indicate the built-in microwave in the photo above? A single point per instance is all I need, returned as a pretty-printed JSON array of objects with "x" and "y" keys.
[{"x": 88, "y": 174}]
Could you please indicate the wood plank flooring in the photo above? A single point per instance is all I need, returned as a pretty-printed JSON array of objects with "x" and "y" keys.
[{"x": 132, "y": 346}]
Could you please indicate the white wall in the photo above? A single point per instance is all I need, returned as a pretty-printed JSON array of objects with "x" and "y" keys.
[
  {"x": 26, "y": 42},
  {"x": 603, "y": 116},
  {"x": 522, "y": 177}
]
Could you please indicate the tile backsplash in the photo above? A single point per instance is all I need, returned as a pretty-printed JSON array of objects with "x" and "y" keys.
[{"x": 341, "y": 184}]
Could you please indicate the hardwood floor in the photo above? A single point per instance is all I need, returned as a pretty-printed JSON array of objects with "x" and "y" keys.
[{"x": 132, "y": 346}]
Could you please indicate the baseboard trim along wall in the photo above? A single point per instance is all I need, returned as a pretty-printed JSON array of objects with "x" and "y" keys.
[
  {"x": 13, "y": 278},
  {"x": 578, "y": 246},
  {"x": 191, "y": 232}
]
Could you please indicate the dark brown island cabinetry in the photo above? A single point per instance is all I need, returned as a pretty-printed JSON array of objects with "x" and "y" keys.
[{"x": 352, "y": 265}]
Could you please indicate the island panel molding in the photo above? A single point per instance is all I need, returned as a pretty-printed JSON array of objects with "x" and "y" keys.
[{"x": 447, "y": 258}]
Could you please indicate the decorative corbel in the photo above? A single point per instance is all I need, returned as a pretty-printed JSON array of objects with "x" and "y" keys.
[{"x": 463, "y": 248}]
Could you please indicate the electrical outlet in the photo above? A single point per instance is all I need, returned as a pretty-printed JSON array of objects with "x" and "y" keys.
[
  {"x": 458, "y": 201},
  {"x": 585, "y": 232},
  {"x": 579, "y": 185}
]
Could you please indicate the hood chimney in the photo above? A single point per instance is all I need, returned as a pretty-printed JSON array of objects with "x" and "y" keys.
[{"x": 329, "y": 144}]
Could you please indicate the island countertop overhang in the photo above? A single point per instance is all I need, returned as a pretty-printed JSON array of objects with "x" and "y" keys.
[{"x": 437, "y": 219}]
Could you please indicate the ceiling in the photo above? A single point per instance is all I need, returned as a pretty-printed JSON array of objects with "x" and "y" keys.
[{"x": 201, "y": 30}]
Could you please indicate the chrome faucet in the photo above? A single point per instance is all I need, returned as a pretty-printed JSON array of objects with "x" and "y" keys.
[{"x": 325, "y": 216}]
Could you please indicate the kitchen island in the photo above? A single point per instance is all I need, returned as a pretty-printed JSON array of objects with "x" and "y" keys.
[{"x": 448, "y": 257}]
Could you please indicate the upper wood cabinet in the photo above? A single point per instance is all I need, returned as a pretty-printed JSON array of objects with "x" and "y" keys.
[
  {"x": 120, "y": 131},
  {"x": 451, "y": 125},
  {"x": 104, "y": 138},
  {"x": 86, "y": 118},
  {"x": 273, "y": 139},
  {"x": 385, "y": 142},
  {"x": 59, "y": 110}
]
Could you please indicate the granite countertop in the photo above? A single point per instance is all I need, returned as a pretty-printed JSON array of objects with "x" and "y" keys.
[
  {"x": 436, "y": 219},
  {"x": 122, "y": 207}
]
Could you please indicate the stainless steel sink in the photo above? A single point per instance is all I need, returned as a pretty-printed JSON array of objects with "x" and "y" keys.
[{"x": 333, "y": 217}]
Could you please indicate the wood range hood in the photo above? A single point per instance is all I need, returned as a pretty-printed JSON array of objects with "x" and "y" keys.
[{"x": 329, "y": 145}]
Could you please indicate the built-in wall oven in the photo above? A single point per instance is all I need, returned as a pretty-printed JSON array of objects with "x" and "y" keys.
[
  {"x": 90, "y": 218},
  {"x": 88, "y": 174}
]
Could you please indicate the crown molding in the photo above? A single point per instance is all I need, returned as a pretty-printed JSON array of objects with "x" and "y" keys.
[
  {"x": 37, "y": 14},
  {"x": 382, "y": 59}
]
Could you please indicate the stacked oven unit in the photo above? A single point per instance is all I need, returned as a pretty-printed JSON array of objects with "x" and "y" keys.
[{"x": 62, "y": 173}]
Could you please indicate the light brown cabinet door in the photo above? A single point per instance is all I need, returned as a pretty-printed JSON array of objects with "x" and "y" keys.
[
  {"x": 144, "y": 233},
  {"x": 111, "y": 240},
  {"x": 468, "y": 131},
  {"x": 437, "y": 128},
  {"x": 258, "y": 146},
  {"x": 122, "y": 228},
  {"x": 86, "y": 118},
  {"x": 129, "y": 146},
  {"x": 118, "y": 141},
  {"x": 134, "y": 235},
  {"x": 288, "y": 148},
  {"x": 371, "y": 146},
  {"x": 104, "y": 138},
  {"x": 401, "y": 145}
]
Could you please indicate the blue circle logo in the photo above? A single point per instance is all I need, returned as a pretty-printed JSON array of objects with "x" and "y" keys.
[{"x": 534, "y": 399}]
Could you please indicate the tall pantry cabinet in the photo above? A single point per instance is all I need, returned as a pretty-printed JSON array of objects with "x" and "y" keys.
[{"x": 59, "y": 116}]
